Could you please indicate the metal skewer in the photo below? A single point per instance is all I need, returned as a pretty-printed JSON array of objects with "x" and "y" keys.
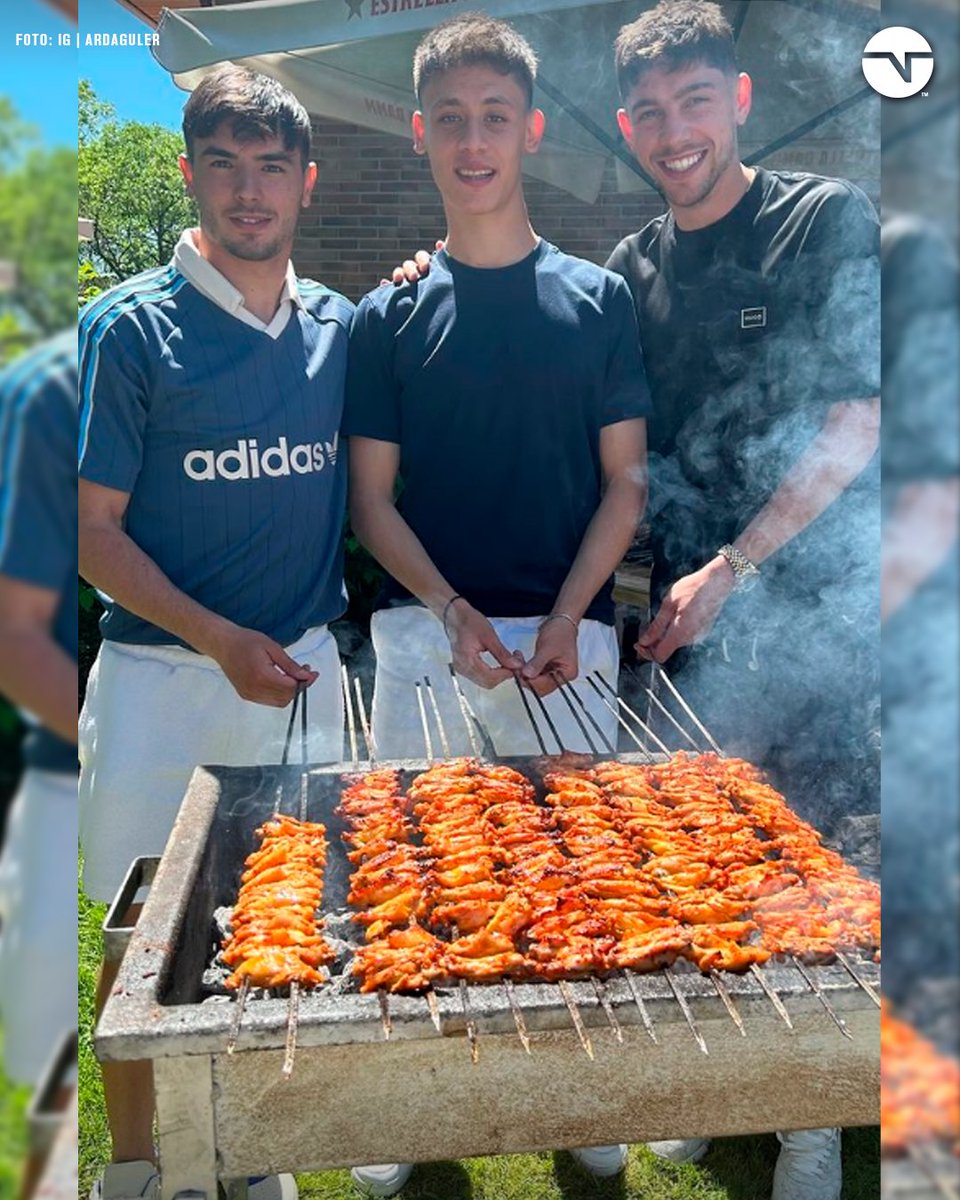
[
  {"x": 641, "y": 1007},
  {"x": 444, "y": 744},
  {"x": 385, "y": 1022},
  {"x": 517, "y": 1014},
  {"x": 855, "y": 974},
  {"x": 364, "y": 723},
  {"x": 471, "y": 1024},
  {"x": 728, "y": 1002},
  {"x": 771, "y": 995},
  {"x": 284, "y": 757},
  {"x": 689, "y": 711},
  {"x": 526, "y": 704},
  {"x": 561, "y": 683},
  {"x": 925, "y": 1162},
  {"x": 351, "y": 723},
  {"x": 569, "y": 689},
  {"x": 685, "y": 1007},
  {"x": 467, "y": 1011},
  {"x": 238, "y": 1014},
  {"x": 464, "y": 712},
  {"x": 652, "y": 695},
  {"x": 549, "y": 721},
  {"x": 431, "y": 996},
  {"x": 634, "y": 716},
  {"x": 604, "y": 997},
  {"x": 818, "y": 991},
  {"x": 571, "y": 1003},
  {"x": 423, "y": 721},
  {"x": 487, "y": 747},
  {"x": 304, "y": 757},
  {"x": 616, "y": 712},
  {"x": 293, "y": 1017}
]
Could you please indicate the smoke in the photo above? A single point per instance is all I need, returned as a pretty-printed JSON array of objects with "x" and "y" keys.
[{"x": 921, "y": 456}]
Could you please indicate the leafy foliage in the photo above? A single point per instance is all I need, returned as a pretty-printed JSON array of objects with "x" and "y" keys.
[
  {"x": 129, "y": 184},
  {"x": 38, "y": 228}
]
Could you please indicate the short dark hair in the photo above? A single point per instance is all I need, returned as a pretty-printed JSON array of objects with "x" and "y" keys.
[
  {"x": 256, "y": 106},
  {"x": 675, "y": 34},
  {"x": 471, "y": 39}
]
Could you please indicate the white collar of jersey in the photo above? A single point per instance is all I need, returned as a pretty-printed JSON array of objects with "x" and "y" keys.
[{"x": 205, "y": 277}]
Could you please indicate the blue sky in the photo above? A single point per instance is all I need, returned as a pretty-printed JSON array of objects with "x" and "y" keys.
[
  {"x": 41, "y": 81},
  {"x": 130, "y": 78}
]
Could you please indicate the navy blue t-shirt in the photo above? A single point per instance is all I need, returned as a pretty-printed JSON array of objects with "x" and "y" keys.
[
  {"x": 227, "y": 442},
  {"x": 38, "y": 501},
  {"x": 495, "y": 384}
]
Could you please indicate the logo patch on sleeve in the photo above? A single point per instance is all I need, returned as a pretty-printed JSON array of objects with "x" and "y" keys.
[{"x": 753, "y": 318}]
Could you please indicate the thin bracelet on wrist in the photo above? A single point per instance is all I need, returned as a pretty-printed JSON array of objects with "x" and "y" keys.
[
  {"x": 446, "y": 609},
  {"x": 560, "y": 616}
]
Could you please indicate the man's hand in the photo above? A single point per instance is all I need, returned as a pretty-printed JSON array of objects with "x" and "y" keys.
[
  {"x": 471, "y": 634},
  {"x": 413, "y": 269},
  {"x": 688, "y": 611},
  {"x": 556, "y": 650},
  {"x": 258, "y": 668}
]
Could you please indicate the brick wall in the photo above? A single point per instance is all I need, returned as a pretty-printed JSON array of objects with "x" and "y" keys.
[{"x": 375, "y": 203}]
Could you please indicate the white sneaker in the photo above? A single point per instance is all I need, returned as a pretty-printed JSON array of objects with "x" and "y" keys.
[
  {"x": 602, "y": 1161},
  {"x": 808, "y": 1165},
  {"x": 272, "y": 1187},
  {"x": 127, "y": 1181},
  {"x": 383, "y": 1179},
  {"x": 682, "y": 1150}
]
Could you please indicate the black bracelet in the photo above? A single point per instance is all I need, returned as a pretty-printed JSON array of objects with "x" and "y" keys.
[{"x": 446, "y": 609}]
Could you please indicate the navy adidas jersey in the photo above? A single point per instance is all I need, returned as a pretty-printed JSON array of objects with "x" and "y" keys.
[
  {"x": 38, "y": 500},
  {"x": 226, "y": 441}
]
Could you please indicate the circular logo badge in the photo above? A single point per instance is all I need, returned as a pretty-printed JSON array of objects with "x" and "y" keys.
[{"x": 898, "y": 62}]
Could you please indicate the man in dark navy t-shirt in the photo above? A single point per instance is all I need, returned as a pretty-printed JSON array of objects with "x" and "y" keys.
[
  {"x": 506, "y": 393},
  {"x": 211, "y": 507}
]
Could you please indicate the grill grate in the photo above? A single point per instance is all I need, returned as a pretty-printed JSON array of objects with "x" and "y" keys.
[{"x": 649, "y": 747}]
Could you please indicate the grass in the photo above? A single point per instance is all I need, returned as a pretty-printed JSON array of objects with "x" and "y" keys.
[
  {"x": 734, "y": 1169},
  {"x": 13, "y": 1132}
]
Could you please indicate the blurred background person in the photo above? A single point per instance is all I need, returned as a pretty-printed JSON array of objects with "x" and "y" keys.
[{"x": 38, "y": 581}]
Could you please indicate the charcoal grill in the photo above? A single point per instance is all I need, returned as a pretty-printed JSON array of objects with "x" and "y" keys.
[
  {"x": 924, "y": 1173},
  {"x": 669, "y": 1054}
]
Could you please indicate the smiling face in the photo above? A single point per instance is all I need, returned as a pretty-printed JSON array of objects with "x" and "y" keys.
[
  {"x": 249, "y": 194},
  {"x": 475, "y": 126},
  {"x": 682, "y": 128}
]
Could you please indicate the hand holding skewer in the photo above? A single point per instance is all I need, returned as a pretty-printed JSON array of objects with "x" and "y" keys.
[
  {"x": 471, "y": 636},
  {"x": 688, "y": 611},
  {"x": 555, "y": 654}
]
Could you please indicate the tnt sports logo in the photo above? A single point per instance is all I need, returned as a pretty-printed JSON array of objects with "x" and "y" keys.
[
  {"x": 246, "y": 460},
  {"x": 898, "y": 62}
]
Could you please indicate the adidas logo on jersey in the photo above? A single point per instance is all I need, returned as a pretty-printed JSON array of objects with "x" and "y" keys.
[{"x": 247, "y": 461}]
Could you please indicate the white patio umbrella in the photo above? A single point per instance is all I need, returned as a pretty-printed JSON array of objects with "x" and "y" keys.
[{"x": 350, "y": 60}]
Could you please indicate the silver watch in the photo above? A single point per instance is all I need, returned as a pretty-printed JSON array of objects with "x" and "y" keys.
[{"x": 745, "y": 572}]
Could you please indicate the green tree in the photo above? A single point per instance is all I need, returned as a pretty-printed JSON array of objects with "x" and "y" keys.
[
  {"x": 38, "y": 228},
  {"x": 129, "y": 184}
]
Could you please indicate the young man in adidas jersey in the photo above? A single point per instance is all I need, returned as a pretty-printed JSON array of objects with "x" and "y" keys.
[
  {"x": 764, "y": 285},
  {"x": 211, "y": 506}
]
